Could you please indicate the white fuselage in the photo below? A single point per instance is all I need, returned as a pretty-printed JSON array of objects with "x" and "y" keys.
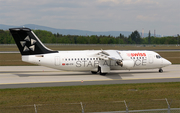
[{"x": 88, "y": 60}]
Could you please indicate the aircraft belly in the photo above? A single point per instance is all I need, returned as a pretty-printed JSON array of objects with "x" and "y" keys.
[{"x": 74, "y": 68}]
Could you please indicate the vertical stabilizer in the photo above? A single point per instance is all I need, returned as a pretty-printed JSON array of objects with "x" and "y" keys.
[{"x": 28, "y": 43}]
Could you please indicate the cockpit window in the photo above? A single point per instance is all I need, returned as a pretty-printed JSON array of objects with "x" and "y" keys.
[{"x": 158, "y": 56}]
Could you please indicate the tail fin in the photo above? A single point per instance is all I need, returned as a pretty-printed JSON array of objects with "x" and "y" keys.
[{"x": 28, "y": 43}]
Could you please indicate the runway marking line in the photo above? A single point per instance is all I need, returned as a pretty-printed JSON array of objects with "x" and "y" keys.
[{"x": 87, "y": 80}]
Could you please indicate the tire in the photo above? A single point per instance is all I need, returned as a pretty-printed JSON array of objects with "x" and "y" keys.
[
  {"x": 160, "y": 70},
  {"x": 93, "y": 72}
]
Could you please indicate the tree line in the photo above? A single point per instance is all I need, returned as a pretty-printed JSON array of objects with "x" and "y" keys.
[{"x": 133, "y": 38}]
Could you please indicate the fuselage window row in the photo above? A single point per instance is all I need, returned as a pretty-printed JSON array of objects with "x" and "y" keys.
[
  {"x": 72, "y": 59},
  {"x": 77, "y": 59}
]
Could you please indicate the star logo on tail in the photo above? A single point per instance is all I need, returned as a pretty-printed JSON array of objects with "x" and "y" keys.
[{"x": 24, "y": 42}]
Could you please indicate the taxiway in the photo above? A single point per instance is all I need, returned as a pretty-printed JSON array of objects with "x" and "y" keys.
[{"x": 39, "y": 76}]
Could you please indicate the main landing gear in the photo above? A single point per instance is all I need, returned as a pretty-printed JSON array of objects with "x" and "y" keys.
[
  {"x": 99, "y": 70},
  {"x": 160, "y": 70},
  {"x": 93, "y": 72}
]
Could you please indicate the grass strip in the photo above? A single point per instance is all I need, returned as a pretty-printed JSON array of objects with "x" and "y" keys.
[
  {"x": 12, "y": 59},
  {"x": 97, "y": 98}
]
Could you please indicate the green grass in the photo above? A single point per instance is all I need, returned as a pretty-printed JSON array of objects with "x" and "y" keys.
[
  {"x": 12, "y": 59},
  {"x": 97, "y": 98}
]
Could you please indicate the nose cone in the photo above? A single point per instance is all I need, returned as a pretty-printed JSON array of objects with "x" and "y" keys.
[{"x": 166, "y": 62}]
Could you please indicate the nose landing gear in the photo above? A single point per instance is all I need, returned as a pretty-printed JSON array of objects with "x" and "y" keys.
[{"x": 160, "y": 70}]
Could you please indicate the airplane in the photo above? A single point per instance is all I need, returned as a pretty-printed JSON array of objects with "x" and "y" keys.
[{"x": 97, "y": 61}]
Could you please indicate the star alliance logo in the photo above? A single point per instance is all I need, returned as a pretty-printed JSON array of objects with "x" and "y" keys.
[{"x": 31, "y": 47}]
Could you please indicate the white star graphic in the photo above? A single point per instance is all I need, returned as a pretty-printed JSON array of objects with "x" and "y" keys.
[{"x": 23, "y": 44}]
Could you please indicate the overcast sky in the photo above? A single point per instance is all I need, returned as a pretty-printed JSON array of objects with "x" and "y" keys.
[{"x": 95, "y": 15}]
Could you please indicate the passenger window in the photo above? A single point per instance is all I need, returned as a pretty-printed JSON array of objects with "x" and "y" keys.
[
  {"x": 75, "y": 59},
  {"x": 96, "y": 58},
  {"x": 87, "y": 58},
  {"x": 65, "y": 59},
  {"x": 90, "y": 58},
  {"x": 93, "y": 58},
  {"x": 72, "y": 59},
  {"x": 81, "y": 58}
]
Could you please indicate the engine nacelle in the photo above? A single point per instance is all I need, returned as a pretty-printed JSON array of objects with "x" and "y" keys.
[{"x": 127, "y": 64}]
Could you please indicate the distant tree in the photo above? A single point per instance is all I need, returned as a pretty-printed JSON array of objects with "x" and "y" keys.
[
  {"x": 135, "y": 37},
  {"x": 130, "y": 40},
  {"x": 104, "y": 40},
  {"x": 178, "y": 39},
  {"x": 82, "y": 40},
  {"x": 149, "y": 37},
  {"x": 120, "y": 39},
  {"x": 93, "y": 39}
]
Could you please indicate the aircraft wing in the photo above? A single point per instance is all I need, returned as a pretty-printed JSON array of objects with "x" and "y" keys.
[{"x": 110, "y": 55}]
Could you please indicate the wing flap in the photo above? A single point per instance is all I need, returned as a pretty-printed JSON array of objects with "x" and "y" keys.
[{"x": 110, "y": 55}]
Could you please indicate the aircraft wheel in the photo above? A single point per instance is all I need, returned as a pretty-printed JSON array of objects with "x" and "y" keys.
[
  {"x": 160, "y": 70},
  {"x": 93, "y": 72}
]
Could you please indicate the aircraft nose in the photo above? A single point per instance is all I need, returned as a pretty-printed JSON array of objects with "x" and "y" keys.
[{"x": 166, "y": 62}]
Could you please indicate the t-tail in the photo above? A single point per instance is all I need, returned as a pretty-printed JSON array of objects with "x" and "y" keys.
[{"x": 28, "y": 43}]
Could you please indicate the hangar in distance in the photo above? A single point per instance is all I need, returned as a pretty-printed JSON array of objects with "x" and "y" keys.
[{"x": 97, "y": 61}]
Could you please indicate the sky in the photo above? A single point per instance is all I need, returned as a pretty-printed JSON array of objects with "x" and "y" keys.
[{"x": 95, "y": 15}]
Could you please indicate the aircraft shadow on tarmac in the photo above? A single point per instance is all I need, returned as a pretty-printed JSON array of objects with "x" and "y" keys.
[
  {"x": 18, "y": 72},
  {"x": 112, "y": 75}
]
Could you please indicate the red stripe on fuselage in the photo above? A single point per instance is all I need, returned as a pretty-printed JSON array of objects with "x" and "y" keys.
[{"x": 63, "y": 64}]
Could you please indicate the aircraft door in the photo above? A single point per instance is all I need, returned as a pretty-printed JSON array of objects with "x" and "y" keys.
[
  {"x": 57, "y": 60},
  {"x": 150, "y": 58}
]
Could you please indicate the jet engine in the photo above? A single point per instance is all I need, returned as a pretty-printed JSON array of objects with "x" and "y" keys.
[{"x": 126, "y": 63}]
